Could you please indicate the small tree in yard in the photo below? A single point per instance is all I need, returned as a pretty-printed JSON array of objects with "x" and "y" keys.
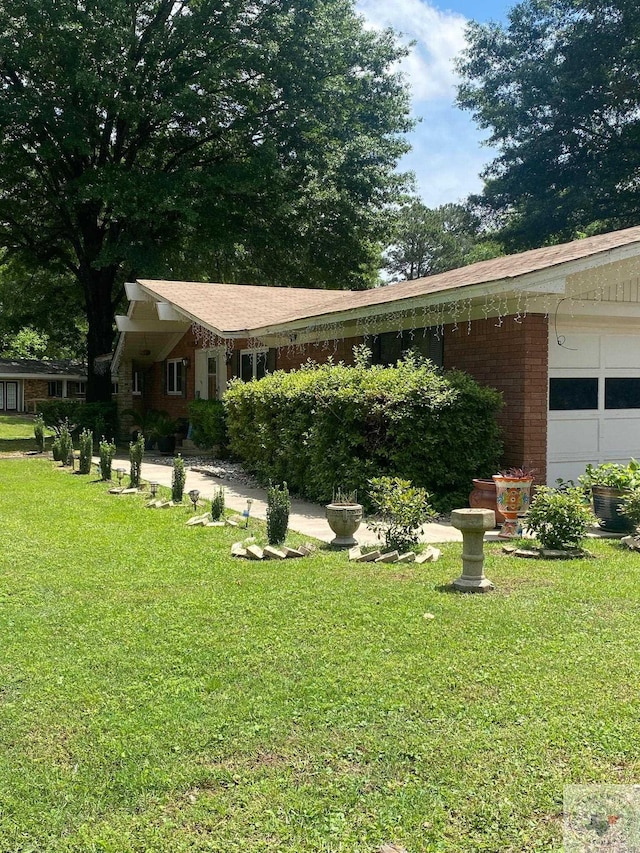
[
  {"x": 178, "y": 479},
  {"x": 403, "y": 509},
  {"x": 86, "y": 451},
  {"x": 38, "y": 431},
  {"x": 559, "y": 519},
  {"x": 107, "y": 452},
  {"x": 136, "y": 452},
  {"x": 217, "y": 504},
  {"x": 278, "y": 508}
]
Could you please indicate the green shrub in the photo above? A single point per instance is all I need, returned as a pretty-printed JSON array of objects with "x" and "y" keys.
[
  {"x": 328, "y": 424},
  {"x": 630, "y": 507},
  {"x": 178, "y": 479},
  {"x": 217, "y": 504},
  {"x": 403, "y": 508},
  {"x": 136, "y": 452},
  {"x": 559, "y": 518},
  {"x": 612, "y": 474},
  {"x": 278, "y": 508},
  {"x": 86, "y": 451},
  {"x": 56, "y": 450},
  {"x": 66, "y": 442},
  {"x": 107, "y": 450},
  {"x": 100, "y": 418},
  {"x": 38, "y": 432},
  {"x": 209, "y": 425}
]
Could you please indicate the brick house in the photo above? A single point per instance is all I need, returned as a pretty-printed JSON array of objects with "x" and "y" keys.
[
  {"x": 556, "y": 330},
  {"x": 26, "y": 382}
]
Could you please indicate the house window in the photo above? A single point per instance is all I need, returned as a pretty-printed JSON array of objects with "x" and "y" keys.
[
  {"x": 212, "y": 377},
  {"x": 622, "y": 393},
  {"x": 136, "y": 382},
  {"x": 174, "y": 376},
  {"x": 253, "y": 364},
  {"x": 55, "y": 388},
  {"x": 76, "y": 389},
  {"x": 573, "y": 395},
  {"x": 115, "y": 388}
]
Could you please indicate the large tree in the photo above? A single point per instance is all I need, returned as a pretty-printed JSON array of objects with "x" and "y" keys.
[
  {"x": 559, "y": 90},
  {"x": 251, "y": 138},
  {"x": 427, "y": 240}
]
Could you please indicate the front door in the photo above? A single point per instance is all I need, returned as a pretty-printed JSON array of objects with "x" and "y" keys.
[
  {"x": 9, "y": 396},
  {"x": 209, "y": 374}
]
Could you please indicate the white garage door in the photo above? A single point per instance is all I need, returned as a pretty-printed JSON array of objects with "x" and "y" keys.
[{"x": 594, "y": 402}]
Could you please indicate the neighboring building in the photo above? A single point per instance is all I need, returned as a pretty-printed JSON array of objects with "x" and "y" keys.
[
  {"x": 556, "y": 330},
  {"x": 25, "y": 382}
]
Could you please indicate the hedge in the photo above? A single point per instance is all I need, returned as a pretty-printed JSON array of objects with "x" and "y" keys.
[
  {"x": 325, "y": 426},
  {"x": 100, "y": 418}
]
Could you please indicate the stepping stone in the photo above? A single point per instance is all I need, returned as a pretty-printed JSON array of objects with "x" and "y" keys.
[
  {"x": 238, "y": 550},
  {"x": 271, "y": 553},
  {"x": 509, "y": 549},
  {"x": 291, "y": 552},
  {"x": 429, "y": 555},
  {"x": 525, "y": 552},
  {"x": 307, "y": 549},
  {"x": 354, "y": 553},
  {"x": 409, "y": 557},
  {"x": 368, "y": 557},
  {"x": 215, "y": 524},
  {"x": 130, "y": 491},
  {"x": 116, "y": 491},
  {"x": 389, "y": 557},
  {"x": 255, "y": 553},
  {"x": 232, "y": 522}
]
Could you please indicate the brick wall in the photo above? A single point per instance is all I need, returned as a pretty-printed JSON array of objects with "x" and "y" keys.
[
  {"x": 154, "y": 394},
  {"x": 34, "y": 391},
  {"x": 291, "y": 358},
  {"x": 513, "y": 358}
]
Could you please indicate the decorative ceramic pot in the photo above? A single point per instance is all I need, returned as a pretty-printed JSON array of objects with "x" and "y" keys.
[
  {"x": 483, "y": 496},
  {"x": 606, "y": 501},
  {"x": 344, "y": 520},
  {"x": 513, "y": 496}
]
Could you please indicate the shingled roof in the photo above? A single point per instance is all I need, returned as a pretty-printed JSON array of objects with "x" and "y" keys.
[
  {"x": 234, "y": 309},
  {"x": 39, "y": 368}
]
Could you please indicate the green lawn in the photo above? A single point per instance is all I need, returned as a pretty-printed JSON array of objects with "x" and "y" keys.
[
  {"x": 16, "y": 433},
  {"x": 156, "y": 695}
]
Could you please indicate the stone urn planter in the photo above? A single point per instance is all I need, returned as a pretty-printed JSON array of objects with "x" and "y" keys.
[
  {"x": 483, "y": 496},
  {"x": 344, "y": 519},
  {"x": 513, "y": 496}
]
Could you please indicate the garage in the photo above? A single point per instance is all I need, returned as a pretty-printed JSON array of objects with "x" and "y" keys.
[{"x": 594, "y": 397}]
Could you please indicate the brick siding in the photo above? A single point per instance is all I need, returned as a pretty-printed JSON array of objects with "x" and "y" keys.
[{"x": 512, "y": 357}]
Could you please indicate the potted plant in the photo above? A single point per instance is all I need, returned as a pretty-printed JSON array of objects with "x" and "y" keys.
[
  {"x": 344, "y": 515},
  {"x": 513, "y": 496},
  {"x": 144, "y": 422},
  {"x": 483, "y": 496},
  {"x": 610, "y": 483},
  {"x": 164, "y": 432}
]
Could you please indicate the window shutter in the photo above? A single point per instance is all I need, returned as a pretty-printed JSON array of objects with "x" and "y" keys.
[
  {"x": 271, "y": 360},
  {"x": 164, "y": 376}
]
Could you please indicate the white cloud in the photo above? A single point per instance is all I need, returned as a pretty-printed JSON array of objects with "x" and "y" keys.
[
  {"x": 438, "y": 36},
  {"x": 447, "y": 155}
]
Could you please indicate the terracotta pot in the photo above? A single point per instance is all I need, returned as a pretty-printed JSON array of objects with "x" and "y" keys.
[
  {"x": 344, "y": 520},
  {"x": 483, "y": 496}
]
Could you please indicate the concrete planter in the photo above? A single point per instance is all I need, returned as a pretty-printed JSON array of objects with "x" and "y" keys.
[{"x": 344, "y": 520}]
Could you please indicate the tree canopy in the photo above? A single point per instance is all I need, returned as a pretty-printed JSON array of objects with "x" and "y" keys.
[
  {"x": 427, "y": 240},
  {"x": 191, "y": 138},
  {"x": 559, "y": 90}
]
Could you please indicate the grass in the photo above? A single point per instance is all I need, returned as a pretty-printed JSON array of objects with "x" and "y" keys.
[
  {"x": 16, "y": 434},
  {"x": 156, "y": 695}
]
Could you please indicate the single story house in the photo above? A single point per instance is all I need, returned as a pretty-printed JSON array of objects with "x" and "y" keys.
[
  {"x": 556, "y": 330},
  {"x": 25, "y": 382}
]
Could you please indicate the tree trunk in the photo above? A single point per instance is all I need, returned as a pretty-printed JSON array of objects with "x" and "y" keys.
[{"x": 98, "y": 286}]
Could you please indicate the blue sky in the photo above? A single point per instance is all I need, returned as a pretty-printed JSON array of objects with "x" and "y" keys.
[{"x": 448, "y": 154}]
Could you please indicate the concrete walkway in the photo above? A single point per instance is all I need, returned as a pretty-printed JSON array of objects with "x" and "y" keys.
[{"x": 306, "y": 518}]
